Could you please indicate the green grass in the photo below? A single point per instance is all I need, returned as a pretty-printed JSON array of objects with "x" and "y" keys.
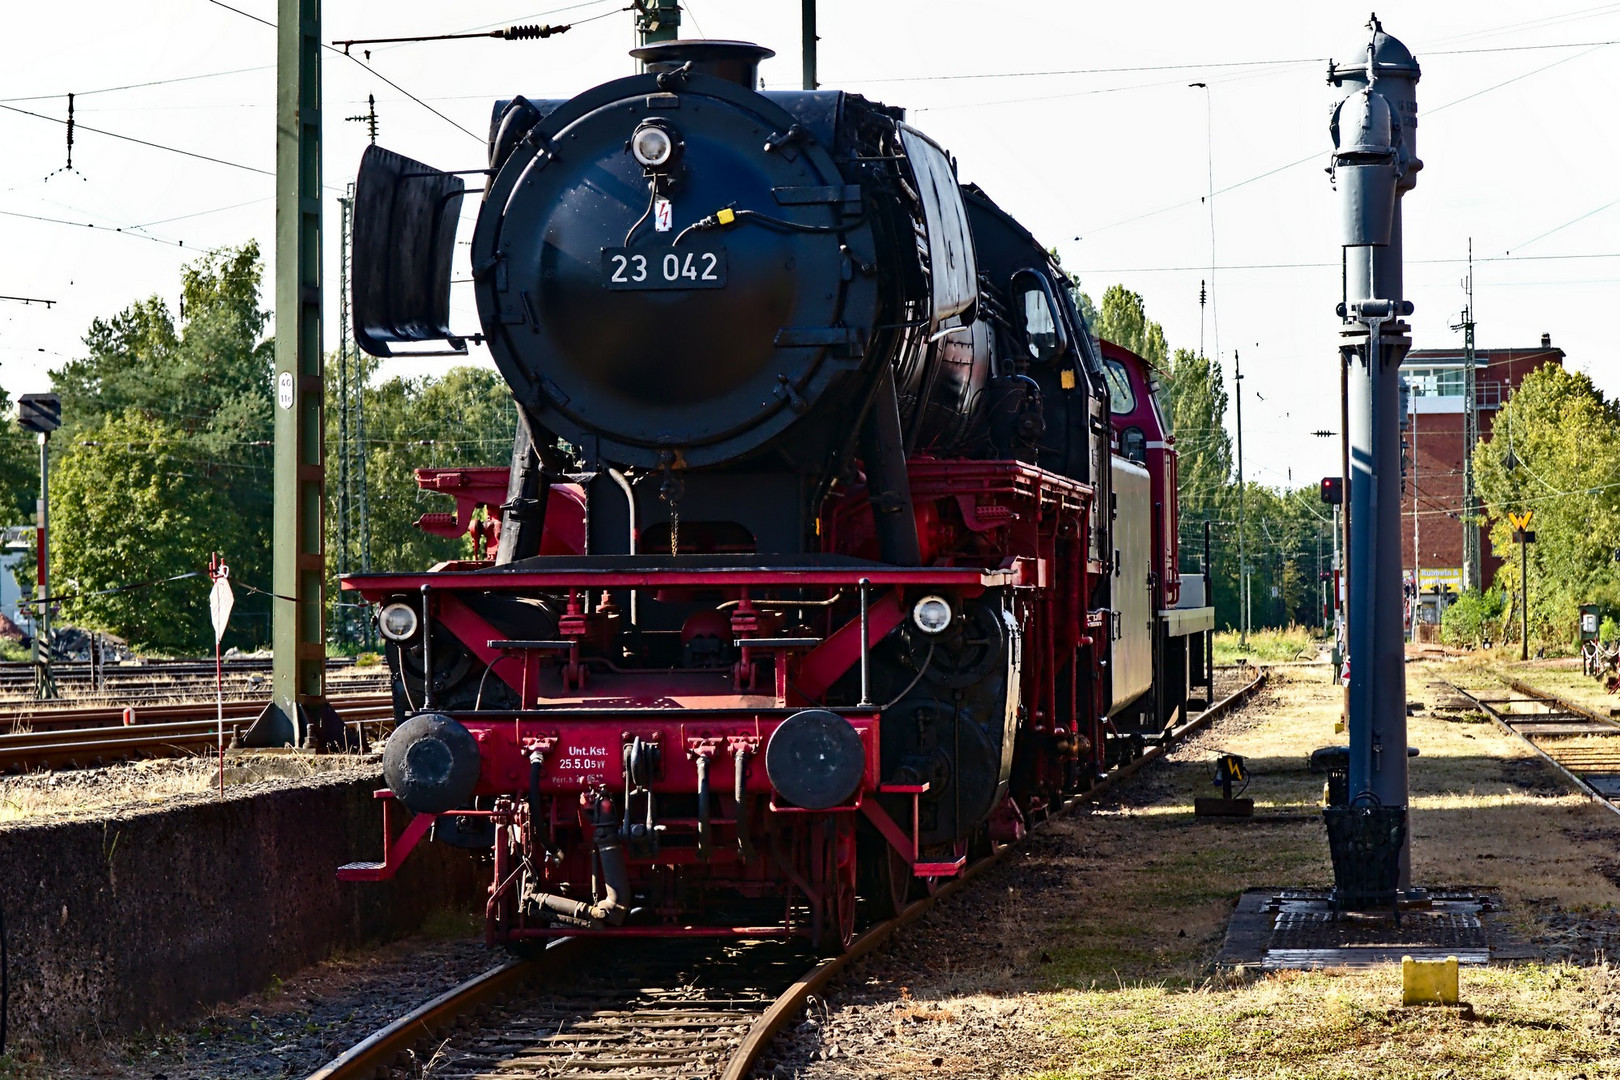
[{"x": 1266, "y": 646}]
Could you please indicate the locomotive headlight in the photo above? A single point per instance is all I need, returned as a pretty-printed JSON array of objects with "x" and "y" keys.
[
  {"x": 652, "y": 145},
  {"x": 932, "y": 614},
  {"x": 397, "y": 621}
]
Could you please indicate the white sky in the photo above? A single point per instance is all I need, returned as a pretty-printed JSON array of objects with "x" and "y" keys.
[{"x": 1109, "y": 166}]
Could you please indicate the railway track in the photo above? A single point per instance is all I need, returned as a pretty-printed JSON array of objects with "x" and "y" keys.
[
  {"x": 98, "y": 736},
  {"x": 683, "y": 1011},
  {"x": 162, "y": 679},
  {"x": 1579, "y": 742}
]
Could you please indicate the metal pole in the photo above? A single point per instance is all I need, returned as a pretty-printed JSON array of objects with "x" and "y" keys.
[
  {"x": 1524, "y": 595},
  {"x": 1243, "y": 532},
  {"x": 866, "y": 675},
  {"x": 1471, "y": 568},
  {"x": 345, "y": 359},
  {"x": 1374, "y": 164},
  {"x": 1209, "y": 635},
  {"x": 1417, "y": 554},
  {"x": 299, "y": 615},
  {"x": 808, "y": 32}
]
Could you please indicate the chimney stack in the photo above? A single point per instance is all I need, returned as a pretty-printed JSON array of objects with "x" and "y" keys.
[{"x": 1546, "y": 341}]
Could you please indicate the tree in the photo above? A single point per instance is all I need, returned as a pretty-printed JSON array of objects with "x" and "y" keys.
[
  {"x": 1555, "y": 450},
  {"x": 463, "y": 418},
  {"x": 207, "y": 379},
  {"x": 1197, "y": 403},
  {"x": 19, "y": 468},
  {"x": 134, "y": 503},
  {"x": 1122, "y": 319}
]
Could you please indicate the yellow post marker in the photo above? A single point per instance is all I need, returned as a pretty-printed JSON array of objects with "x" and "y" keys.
[{"x": 1429, "y": 982}]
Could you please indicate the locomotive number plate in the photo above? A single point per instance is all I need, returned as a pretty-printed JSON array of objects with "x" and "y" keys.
[{"x": 664, "y": 268}]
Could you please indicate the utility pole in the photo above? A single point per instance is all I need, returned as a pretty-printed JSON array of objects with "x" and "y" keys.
[
  {"x": 1472, "y": 566},
  {"x": 1243, "y": 498},
  {"x": 808, "y": 33},
  {"x": 1417, "y": 556},
  {"x": 344, "y": 499},
  {"x": 1374, "y": 164},
  {"x": 1203, "y": 298},
  {"x": 298, "y": 713}
]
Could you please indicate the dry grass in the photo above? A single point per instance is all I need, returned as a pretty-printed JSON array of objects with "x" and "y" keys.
[{"x": 97, "y": 792}]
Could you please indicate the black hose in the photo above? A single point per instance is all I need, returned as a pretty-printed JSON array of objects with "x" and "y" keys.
[
  {"x": 703, "y": 807},
  {"x": 779, "y": 224},
  {"x": 535, "y": 760}
]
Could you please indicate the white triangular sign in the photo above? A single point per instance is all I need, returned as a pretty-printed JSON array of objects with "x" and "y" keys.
[{"x": 220, "y": 601}]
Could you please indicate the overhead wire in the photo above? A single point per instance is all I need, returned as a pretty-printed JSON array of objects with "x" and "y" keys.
[{"x": 143, "y": 142}]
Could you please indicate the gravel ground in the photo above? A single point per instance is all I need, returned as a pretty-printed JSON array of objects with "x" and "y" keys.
[
  {"x": 990, "y": 984},
  {"x": 959, "y": 994},
  {"x": 294, "y": 1026}
]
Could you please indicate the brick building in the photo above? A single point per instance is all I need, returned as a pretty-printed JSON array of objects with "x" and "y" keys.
[{"x": 1434, "y": 453}]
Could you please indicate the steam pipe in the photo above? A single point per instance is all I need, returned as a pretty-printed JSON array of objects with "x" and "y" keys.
[
  {"x": 866, "y": 622},
  {"x": 427, "y": 652},
  {"x": 612, "y": 908},
  {"x": 630, "y": 500}
]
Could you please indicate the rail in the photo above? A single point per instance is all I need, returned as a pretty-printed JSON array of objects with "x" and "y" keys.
[
  {"x": 180, "y": 730},
  {"x": 433, "y": 1020},
  {"x": 1592, "y": 769}
]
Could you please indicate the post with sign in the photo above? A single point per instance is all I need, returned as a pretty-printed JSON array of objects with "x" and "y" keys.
[
  {"x": 1523, "y": 534},
  {"x": 42, "y": 414},
  {"x": 220, "y": 602}
]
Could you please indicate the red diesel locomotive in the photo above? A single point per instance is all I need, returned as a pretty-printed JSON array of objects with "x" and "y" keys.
[{"x": 833, "y": 547}]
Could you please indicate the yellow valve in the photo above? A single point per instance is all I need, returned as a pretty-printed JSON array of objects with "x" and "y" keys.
[
  {"x": 1429, "y": 982},
  {"x": 726, "y": 216}
]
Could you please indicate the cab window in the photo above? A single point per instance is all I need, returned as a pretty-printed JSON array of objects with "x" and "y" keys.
[{"x": 1121, "y": 398}]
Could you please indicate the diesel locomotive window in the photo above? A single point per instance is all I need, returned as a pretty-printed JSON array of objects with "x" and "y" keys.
[
  {"x": 1121, "y": 398},
  {"x": 1133, "y": 444}
]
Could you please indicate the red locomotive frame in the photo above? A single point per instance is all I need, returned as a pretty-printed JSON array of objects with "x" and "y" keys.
[{"x": 581, "y": 718}]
